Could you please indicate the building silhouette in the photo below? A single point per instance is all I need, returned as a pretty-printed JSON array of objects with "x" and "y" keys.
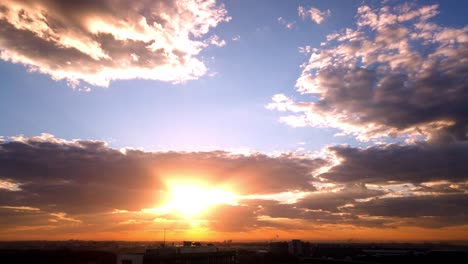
[{"x": 188, "y": 253}]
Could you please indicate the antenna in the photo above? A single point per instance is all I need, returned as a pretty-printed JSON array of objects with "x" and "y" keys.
[{"x": 275, "y": 238}]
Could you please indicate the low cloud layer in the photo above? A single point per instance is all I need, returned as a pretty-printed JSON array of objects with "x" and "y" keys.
[
  {"x": 100, "y": 41},
  {"x": 424, "y": 211},
  {"x": 89, "y": 177},
  {"x": 395, "y": 73},
  {"x": 55, "y": 185},
  {"x": 415, "y": 163}
]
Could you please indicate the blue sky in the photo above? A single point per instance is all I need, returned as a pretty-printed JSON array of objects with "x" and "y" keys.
[{"x": 225, "y": 111}]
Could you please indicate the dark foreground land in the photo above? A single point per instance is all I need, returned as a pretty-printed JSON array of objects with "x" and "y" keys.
[{"x": 89, "y": 252}]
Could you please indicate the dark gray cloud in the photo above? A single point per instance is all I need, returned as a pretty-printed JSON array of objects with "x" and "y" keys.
[
  {"x": 275, "y": 209},
  {"x": 89, "y": 177},
  {"x": 395, "y": 74},
  {"x": 11, "y": 218},
  {"x": 415, "y": 206},
  {"x": 323, "y": 213},
  {"x": 427, "y": 211},
  {"x": 332, "y": 201},
  {"x": 80, "y": 177},
  {"x": 421, "y": 210},
  {"x": 444, "y": 187},
  {"x": 416, "y": 163}
]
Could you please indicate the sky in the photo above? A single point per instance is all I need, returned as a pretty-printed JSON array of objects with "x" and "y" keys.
[{"x": 245, "y": 120}]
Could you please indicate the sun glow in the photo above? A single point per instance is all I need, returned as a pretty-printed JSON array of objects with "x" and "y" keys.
[{"x": 193, "y": 199}]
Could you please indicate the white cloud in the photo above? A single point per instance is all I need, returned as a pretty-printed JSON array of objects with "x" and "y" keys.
[
  {"x": 9, "y": 185},
  {"x": 215, "y": 40},
  {"x": 101, "y": 41},
  {"x": 286, "y": 24},
  {"x": 307, "y": 49},
  {"x": 19, "y": 208},
  {"x": 314, "y": 14}
]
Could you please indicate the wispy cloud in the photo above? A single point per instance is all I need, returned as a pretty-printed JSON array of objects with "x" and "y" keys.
[
  {"x": 19, "y": 208},
  {"x": 286, "y": 24},
  {"x": 313, "y": 13},
  {"x": 216, "y": 41},
  {"x": 9, "y": 185}
]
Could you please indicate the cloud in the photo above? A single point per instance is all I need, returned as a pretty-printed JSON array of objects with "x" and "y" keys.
[
  {"x": 306, "y": 49},
  {"x": 383, "y": 204},
  {"x": 385, "y": 186},
  {"x": 12, "y": 217},
  {"x": 215, "y": 40},
  {"x": 90, "y": 177},
  {"x": 443, "y": 186},
  {"x": 317, "y": 206},
  {"x": 8, "y": 185},
  {"x": 384, "y": 78},
  {"x": 313, "y": 13},
  {"x": 54, "y": 185},
  {"x": 232, "y": 218},
  {"x": 101, "y": 41},
  {"x": 416, "y": 163},
  {"x": 423, "y": 211},
  {"x": 332, "y": 201},
  {"x": 358, "y": 206},
  {"x": 286, "y": 24}
]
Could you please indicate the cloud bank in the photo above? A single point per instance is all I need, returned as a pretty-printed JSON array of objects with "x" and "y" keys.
[
  {"x": 101, "y": 41},
  {"x": 48, "y": 184},
  {"x": 90, "y": 177},
  {"x": 414, "y": 163}
]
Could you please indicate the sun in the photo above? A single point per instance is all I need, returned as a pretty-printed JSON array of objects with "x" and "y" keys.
[{"x": 191, "y": 199}]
